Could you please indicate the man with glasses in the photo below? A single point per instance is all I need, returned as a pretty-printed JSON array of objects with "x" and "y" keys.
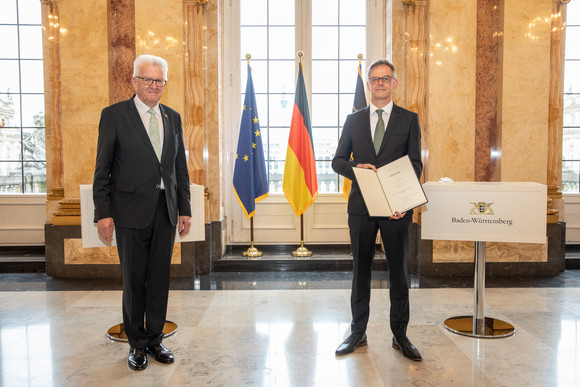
[
  {"x": 141, "y": 190},
  {"x": 377, "y": 135}
]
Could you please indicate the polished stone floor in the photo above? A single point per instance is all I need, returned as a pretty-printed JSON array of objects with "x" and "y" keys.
[{"x": 281, "y": 329}]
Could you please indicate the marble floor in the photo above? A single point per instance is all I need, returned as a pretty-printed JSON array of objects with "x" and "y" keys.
[{"x": 254, "y": 330}]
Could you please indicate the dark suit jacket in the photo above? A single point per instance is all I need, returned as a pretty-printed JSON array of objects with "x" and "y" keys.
[
  {"x": 402, "y": 137},
  {"x": 127, "y": 176}
]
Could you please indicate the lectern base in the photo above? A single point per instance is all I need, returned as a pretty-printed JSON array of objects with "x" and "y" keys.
[
  {"x": 492, "y": 328},
  {"x": 117, "y": 332}
]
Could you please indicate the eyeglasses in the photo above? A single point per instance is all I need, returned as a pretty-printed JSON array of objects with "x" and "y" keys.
[
  {"x": 376, "y": 80},
  {"x": 149, "y": 81}
]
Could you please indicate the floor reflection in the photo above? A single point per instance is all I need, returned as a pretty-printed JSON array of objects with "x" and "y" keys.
[
  {"x": 260, "y": 335},
  {"x": 26, "y": 354}
]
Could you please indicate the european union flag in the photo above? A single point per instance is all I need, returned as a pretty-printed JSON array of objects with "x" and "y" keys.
[{"x": 250, "y": 177}]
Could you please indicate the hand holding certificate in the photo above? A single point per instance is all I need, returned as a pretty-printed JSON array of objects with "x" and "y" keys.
[{"x": 393, "y": 188}]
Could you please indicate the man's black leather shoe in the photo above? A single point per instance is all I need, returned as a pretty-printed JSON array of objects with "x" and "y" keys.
[
  {"x": 137, "y": 359},
  {"x": 161, "y": 354},
  {"x": 351, "y": 343},
  {"x": 409, "y": 351}
]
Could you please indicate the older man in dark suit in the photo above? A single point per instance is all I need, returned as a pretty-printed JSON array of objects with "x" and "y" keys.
[
  {"x": 141, "y": 189},
  {"x": 378, "y": 135}
]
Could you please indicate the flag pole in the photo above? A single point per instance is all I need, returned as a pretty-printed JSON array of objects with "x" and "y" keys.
[
  {"x": 301, "y": 252},
  {"x": 251, "y": 252}
]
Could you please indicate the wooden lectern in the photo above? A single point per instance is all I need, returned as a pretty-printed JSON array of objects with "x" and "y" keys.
[{"x": 483, "y": 212}]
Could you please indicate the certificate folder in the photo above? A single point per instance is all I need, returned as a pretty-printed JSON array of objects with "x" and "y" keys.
[{"x": 394, "y": 187}]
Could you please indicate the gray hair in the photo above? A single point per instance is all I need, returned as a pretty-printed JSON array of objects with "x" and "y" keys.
[
  {"x": 381, "y": 62},
  {"x": 152, "y": 60}
]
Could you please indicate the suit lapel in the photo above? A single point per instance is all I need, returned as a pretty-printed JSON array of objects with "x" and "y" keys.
[
  {"x": 366, "y": 125},
  {"x": 166, "y": 129},
  {"x": 393, "y": 118},
  {"x": 135, "y": 119}
]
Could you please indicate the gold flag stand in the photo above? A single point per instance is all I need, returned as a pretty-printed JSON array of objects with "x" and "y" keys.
[
  {"x": 302, "y": 252},
  {"x": 252, "y": 252}
]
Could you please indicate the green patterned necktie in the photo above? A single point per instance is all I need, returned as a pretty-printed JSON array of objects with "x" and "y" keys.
[
  {"x": 154, "y": 132},
  {"x": 379, "y": 131}
]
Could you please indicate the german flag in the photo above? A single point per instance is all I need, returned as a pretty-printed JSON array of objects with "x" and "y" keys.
[{"x": 300, "y": 183}]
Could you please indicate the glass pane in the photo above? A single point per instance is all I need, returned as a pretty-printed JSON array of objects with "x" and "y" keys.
[
  {"x": 253, "y": 42},
  {"x": 262, "y": 102},
  {"x": 570, "y": 176},
  {"x": 324, "y": 42},
  {"x": 281, "y": 43},
  {"x": 352, "y": 42},
  {"x": 9, "y": 83},
  {"x": 349, "y": 75},
  {"x": 264, "y": 135},
  {"x": 572, "y": 77},
  {"x": 31, "y": 42},
  {"x": 571, "y": 144},
  {"x": 10, "y": 144},
  {"x": 353, "y": 12},
  {"x": 346, "y": 103},
  {"x": 324, "y": 110},
  {"x": 259, "y": 75},
  {"x": 10, "y": 177},
  {"x": 281, "y": 12},
  {"x": 33, "y": 144},
  {"x": 573, "y": 13},
  {"x": 327, "y": 178},
  {"x": 34, "y": 177},
  {"x": 10, "y": 109},
  {"x": 572, "y": 40},
  {"x": 325, "y": 142},
  {"x": 324, "y": 12},
  {"x": 9, "y": 42},
  {"x": 572, "y": 110},
  {"x": 32, "y": 76},
  {"x": 275, "y": 176},
  {"x": 324, "y": 76},
  {"x": 253, "y": 12},
  {"x": 32, "y": 109},
  {"x": 30, "y": 12},
  {"x": 8, "y": 12},
  {"x": 281, "y": 106},
  {"x": 282, "y": 76},
  {"x": 278, "y": 143}
]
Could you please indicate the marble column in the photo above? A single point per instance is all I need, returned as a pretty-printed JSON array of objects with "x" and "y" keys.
[
  {"x": 193, "y": 115},
  {"x": 121, "y": 23},
  {"x": 556, "y": 111},
  {"x": 52, "y": 93},
  {"x": 416, "y": 49},
  {"x": 488, "y": 91}
]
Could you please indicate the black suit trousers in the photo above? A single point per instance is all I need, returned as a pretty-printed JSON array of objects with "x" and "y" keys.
[
  {"x": 145, "y": 256},
  {"x": 395, "y": 236}
]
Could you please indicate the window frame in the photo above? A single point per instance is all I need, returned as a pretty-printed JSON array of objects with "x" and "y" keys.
[
  {"x": 21, "y": 127},
  {"x": 376, "y": 23}
]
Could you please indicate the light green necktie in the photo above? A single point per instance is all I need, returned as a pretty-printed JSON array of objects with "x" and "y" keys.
[
  {"x": 154, "y": 132},
  {"x": 379, "y": 131}
]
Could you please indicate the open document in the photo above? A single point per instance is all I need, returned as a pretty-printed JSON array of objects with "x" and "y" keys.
[{"x": 394, "y": 187}]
